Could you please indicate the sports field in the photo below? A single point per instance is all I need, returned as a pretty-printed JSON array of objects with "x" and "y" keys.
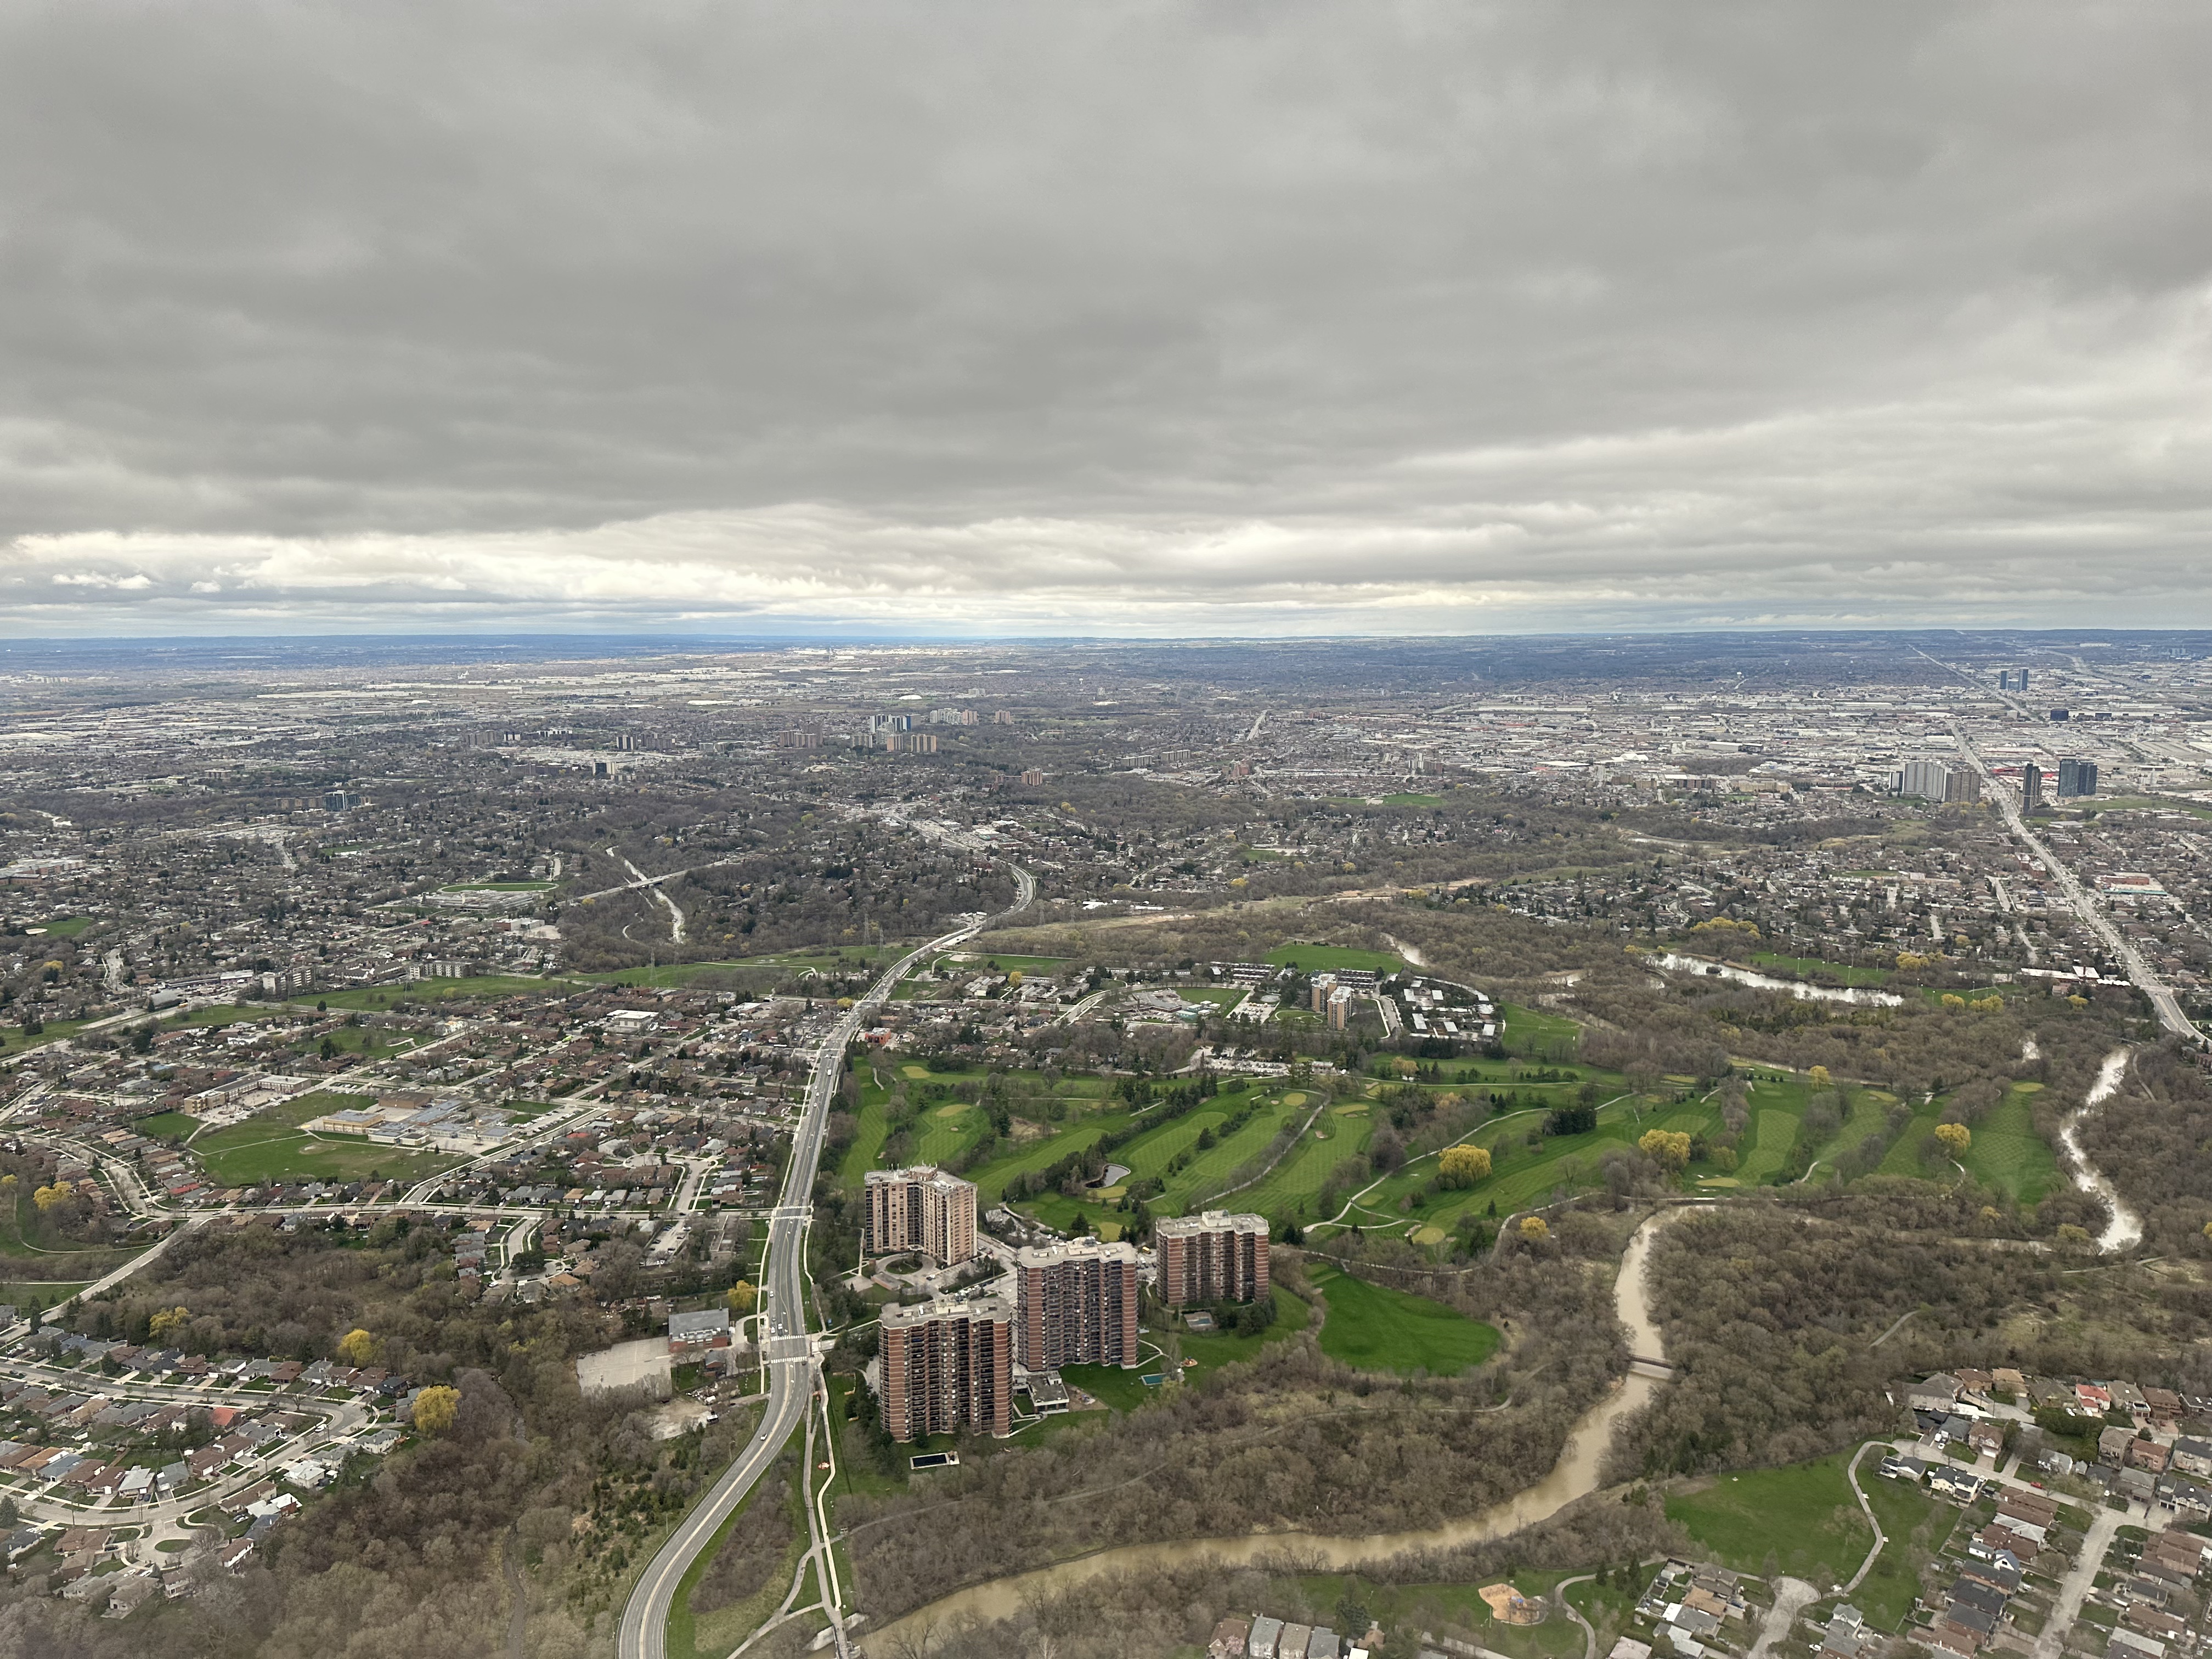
[{"x": 271, "y": 1146}]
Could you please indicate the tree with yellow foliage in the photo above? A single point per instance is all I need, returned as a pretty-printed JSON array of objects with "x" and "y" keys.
[
  {"x": 357, "y": 1347},
  {"x": 1534, "y": 1228},
  {"x": 1014, "y": 980},
  {"x": 46, "y": 1197},
  {"x": 435, "y": 1408},
  {"x": 166, "y": 1322},
  {"x": 742, "y": 1296},
  {"x": 1819, "y": 1077},
  {"x": 1668, "y": 1148},
  {"x": 1463, "y": 1166},
  {"x": 1955, "y": 1138},
  {"x": 1952, "y": 999}
]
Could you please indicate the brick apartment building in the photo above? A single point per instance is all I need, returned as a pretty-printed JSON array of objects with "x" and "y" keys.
[
  {"x": 1212, "y": 1257},
  {"x": 946, "y": 1367},
  {"x": 924, "y": 1209},
  {"x": 1076, "y": 1305}
]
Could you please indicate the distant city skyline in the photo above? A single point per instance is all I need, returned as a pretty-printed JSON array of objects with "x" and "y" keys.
[{"x": 989, "y": 321}]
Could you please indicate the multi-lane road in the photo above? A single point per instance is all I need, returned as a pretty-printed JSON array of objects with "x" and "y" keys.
[
  {"x": 787, "y": 1350},
  {"x": 2086, "y": 906}
]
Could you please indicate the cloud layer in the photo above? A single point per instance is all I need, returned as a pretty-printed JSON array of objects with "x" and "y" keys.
[{"x": 1244, "y": 318}]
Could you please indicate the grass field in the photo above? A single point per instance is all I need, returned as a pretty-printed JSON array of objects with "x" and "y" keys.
[
  {"x": 427, "y": 990},
  {"x": 2008, "y": 1155},
  {"x": 1330, "y": 958},
  {"x": 1412, "y": 800},
  {"x": 1529, "y": 1031},
  {"x": 164, "y": 1125},
  {"x": 13, "y": 1042},
  {"x": 1915, "y": 1524},
  {"x": 1805, "y": 967},
  {"x": 271, "y": 1146},
  {"x": 46, "y": 1292},
  {"x": 1212, "y": 1351},
  {"x": 499, "y": 887},
  {"x": 1801, "y": 1519},
  {"x": 68, "y": 926},
  {"x": 1378, "y": 1329}
]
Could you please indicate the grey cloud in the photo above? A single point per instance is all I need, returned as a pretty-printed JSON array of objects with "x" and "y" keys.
[{"x": 1241, "y": 316}]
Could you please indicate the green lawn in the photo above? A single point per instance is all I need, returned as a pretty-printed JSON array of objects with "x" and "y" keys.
[
  {"x": 1112, "y": 1386},
  {"x": 13, "y": 1042},
  {"x": 1805, "y": 967},
  {"x": 499, "y": 887},
  {"x": 2008, "y": 1155},
  {"x": 428, "y": 990},
  {"x": 271, "y": 1146},
  {"x": 1378, "y": 1329},
  {"x": 1527, "y": 1031},
  {"x": 46, "y": 1292},
  {"x": 68, "y": 926},
  {"x": 1219, "y": 1349},
  {"x": 1412, "y": 800},
  {"x": 1801, "y": 1519},
  {"x": 1914, "y": 1522},
  {"x": 162, "y": 1125},
  {"x": 1330, "y": 958}
]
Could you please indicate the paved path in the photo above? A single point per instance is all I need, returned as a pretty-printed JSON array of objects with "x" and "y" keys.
[
  {"x": 1791, "y": 1597},
  {"x": 1859, "y": 1492},
  {"x": 2074, "y": 1589}
]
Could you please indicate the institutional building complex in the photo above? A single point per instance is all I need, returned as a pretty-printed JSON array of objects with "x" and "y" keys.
[
  {"x": 922, "y": 1209},
  {"x": 1076, "y": 1305},
  {"x": 1212, "y": 1257},
  {"x": 947, "y": 1367}
]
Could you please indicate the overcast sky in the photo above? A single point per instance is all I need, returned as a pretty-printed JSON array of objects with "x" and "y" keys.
[{"x": 1214, "y": 318}]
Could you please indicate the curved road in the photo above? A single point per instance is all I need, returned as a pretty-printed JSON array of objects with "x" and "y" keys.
[{"x": 787, "y": 1349}]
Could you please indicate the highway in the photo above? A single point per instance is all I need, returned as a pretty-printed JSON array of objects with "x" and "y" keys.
[
  {"x": 787, "y": 1351},
  {"x": 2086, "y": 906}
]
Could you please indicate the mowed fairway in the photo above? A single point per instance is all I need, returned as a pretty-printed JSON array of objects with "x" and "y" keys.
[
  {"x": 2007, "y": 1154},
  {"x": 1381, "y": 1330}
]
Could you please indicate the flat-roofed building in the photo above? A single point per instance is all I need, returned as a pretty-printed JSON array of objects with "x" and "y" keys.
[
  {"x": 921, "y": 1208},
  {"x": 948, "y": 1367},
  {"x": 1211, "y": 1257},
  {"x": 1077, "y": 1305}
]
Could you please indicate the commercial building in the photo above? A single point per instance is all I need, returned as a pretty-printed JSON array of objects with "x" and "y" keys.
[
  {"x": 2031, "y": 786},
  {"x": 920, "y": 1208},
  {"x": 1076, "y": 1305},
  {"x": 1211, "y": 1257},
  {"x": 947, "y": 1368},
  {"x": 2076, "y": 777},
  {"x": 2011, "y": 679}
]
